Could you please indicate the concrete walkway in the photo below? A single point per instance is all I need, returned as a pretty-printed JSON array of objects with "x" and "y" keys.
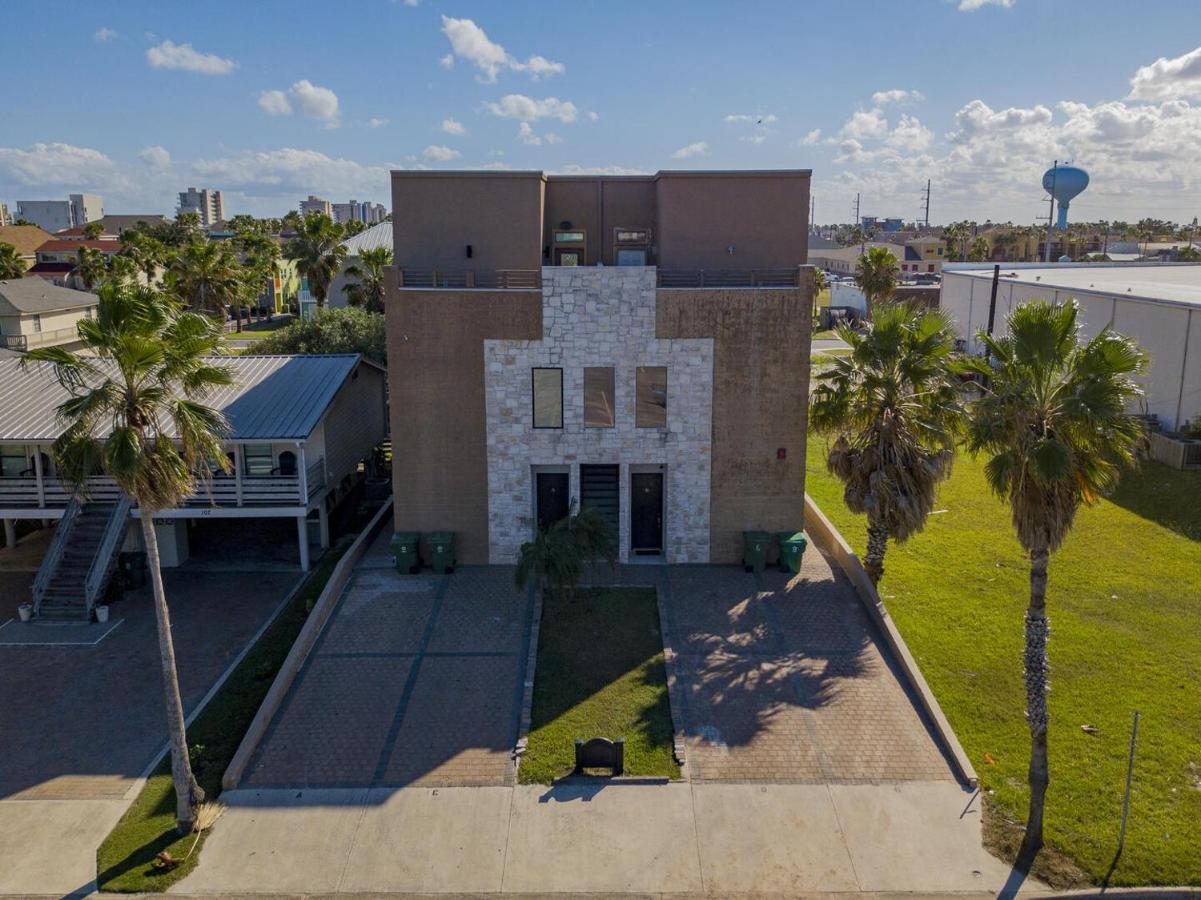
[{"x": 600, "y": 837}]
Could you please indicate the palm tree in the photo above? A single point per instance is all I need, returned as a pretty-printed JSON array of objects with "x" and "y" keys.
[
  {"x": 877, "y": 274},
  {"x": 141, "y": 376},
  {"x": 978, "y": 250},
  {"x": 819, "y": 285},
  {"x": 1054, "y": 425},
  {"x": 11, "y": 263},
  {"x": 143, "y": 251},
  {"x": 93, "y": 230},
  {"x": 319, "y": 252},
  {"x": 556, "y": 556},
  {"x": 368, "y": 288},
  {"x": 894, "y": 406},
  {"x": 204, "y": 275},
  {"x": 260, "y": 254},
  {"x": 91, "y": 268}
]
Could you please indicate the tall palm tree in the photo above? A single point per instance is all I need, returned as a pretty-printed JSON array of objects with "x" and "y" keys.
[
  {"x": 894, "y": 406},
  {"x": 877, "y": 274},
  {"x": 205, "y": 276},
  {"x": 143, "y": 251},
  {"x": 11, "y": 263},
  {"x": 978, "y": 249},
  {"x": 91, "y": 268},
  {"x": 1054, "y": 426},
  {"x": 260, "y": 254},
  {"x": 141, "y": 376},
  {"x": 367, "y": 289},
  {"x": 93, "y": 230},
  {"x": 319, "y": 252}
]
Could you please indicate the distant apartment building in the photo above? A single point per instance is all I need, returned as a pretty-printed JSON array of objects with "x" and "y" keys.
[
  {"x": 638, "y": 345},
  {"x": 55, "y": 215},
  {"x": 316, "y": 205},
  {"x": 354, "y": 211},
  {"x": 207, "y": 204},
  {"x": 888, "y": 224}
]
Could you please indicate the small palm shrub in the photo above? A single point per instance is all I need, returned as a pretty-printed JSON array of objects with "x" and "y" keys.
[{"x": 557, "y": 555}]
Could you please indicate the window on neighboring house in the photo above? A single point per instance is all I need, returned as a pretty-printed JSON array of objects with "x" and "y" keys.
[
  {"x": 940, "y": 251},
  {"x": 548, "y": 398},
  {"x": 930, "y": 267},
  {"x": 651, "y": 390},
  {"x": 258, "y": 459},
  {"x": 598, "y": 398},
  {"x": 12, "y": 461},
  {"x": 37, "y": 322}
]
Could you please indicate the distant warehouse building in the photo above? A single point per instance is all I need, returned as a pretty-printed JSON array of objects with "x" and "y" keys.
[{"x": 1156, "y": 304}]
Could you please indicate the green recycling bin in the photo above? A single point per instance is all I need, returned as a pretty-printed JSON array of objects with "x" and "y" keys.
[
  {"x": 406, "y": 551},
  {"x": 792, "y": 548},
  {"x": 754, "y": 550},
  {"x": 442, "y": 551}
]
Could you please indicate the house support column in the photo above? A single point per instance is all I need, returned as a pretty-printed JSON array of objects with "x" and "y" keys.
[
  {"x": 10, "y": 533},
  {"x": 302, "y": 530},
  {"x": 323, "y": 518},
  {"x": 39, "y": 475}
]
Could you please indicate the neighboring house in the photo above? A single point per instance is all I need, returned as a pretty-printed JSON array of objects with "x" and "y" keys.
[
  {"x": 26, "y": 238},
  {"x": 923, "y": 256},
  {"x": 918, "y": 256},
  {"x": 57, "y": 258},
  {"x": 208, "y": 205},
  {"x": 1156, "y": 304},
  {"x": 34, "y": 313},
  {"x": 113, "y": 225},
  {"x": 55, "y": 215},
  {"x": 842, "y": 260},
  {"x": 638, "y": 344},
  {"x": 300, "y": 426},
  {"x": 373, "y": 238}
]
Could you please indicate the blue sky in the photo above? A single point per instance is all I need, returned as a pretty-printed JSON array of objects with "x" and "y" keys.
[{"x": 270, "y": 100}]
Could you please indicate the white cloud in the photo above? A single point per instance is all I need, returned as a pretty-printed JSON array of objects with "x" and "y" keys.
[
  {"x": 104, "y": 34},
  {"x": 448, "y": 61},
  {"x": 288, "y": 171},
  {"x": 575, "y": 169},
  {"x": 593, "y": 116},
  {"x": 169, "y": 55},
  {"x": 527, "y": 109},
  {"x": 376, "y": 122},
  {"x": 811, "y": 138},
  {"x": 439, "y": 153},
  {"x": 978, "y": 117},
  {"x": 865, "y": 124},
  {"x": 750, "y": 118},
  {"x": 312, "y": 100},
  {"x": 452, "y": 126},
  {"x": 971, "y": 5},
  {"x": 1166, "y": 79},
  {"x": 757, "y": 138},
  {"x": 910, "y": 134},
  {"x": 410, "y": 2},
  {"x": 699, "y": 148},
  {"x": 527, "y": 135},
  {"x": 468, "y": 41},
  {"x": 55, "y": 164},
  {"x": 156, "y": 157},
  {"x": 275, "y": 103},
  {"x": 896, "y": 95}
]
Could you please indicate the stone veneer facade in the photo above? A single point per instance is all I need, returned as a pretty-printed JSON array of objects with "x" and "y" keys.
[{"x": 602, "y": 316}]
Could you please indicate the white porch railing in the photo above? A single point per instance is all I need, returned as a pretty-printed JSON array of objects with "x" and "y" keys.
[{"x": 267, "y": 490}]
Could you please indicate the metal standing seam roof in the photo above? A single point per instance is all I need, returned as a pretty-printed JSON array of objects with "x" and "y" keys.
[
  {"x": 378, "y": 235},
  {"x": 273, "y": 398}
]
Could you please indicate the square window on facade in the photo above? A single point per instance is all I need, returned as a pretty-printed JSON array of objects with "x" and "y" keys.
[
  {"x": 548, "y": 398},
  {"x": 598, "y": 398},
  {"x": 651, "y": 411}
]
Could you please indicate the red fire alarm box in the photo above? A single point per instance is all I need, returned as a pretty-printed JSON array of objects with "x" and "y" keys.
[{"x": 781, "y": 453}]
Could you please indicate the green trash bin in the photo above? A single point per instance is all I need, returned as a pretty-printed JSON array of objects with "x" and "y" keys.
[
  {"x": 792, "y": 548},
  {"x": 406, "y": 551},
  {"x": 442, "y": 551},
  {"x": 754, "y": 550}
]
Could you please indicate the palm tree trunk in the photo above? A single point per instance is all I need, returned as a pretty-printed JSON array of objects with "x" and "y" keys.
[
  {"x": 188, "y": 794},
  {"x": 877, "y": 544},
  {"x": 1035, "y": 673}
]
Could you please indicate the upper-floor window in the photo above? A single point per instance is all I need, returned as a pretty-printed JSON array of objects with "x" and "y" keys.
[
  {"x": 598, "y": 398},
  {"x": 258, "y": 459},
  {"x": 37, "y": 322},
  {"x": 651, "y": 392},
  {"x": 548, "y": 398}
]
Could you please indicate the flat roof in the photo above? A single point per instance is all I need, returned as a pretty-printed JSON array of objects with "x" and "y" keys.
[
  {"x": 273, "y": 398},
  {"x": 1157, "y": 282},
  {"x": 648, "y": 176}
]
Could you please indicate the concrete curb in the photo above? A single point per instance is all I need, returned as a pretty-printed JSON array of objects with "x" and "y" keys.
[
  {"x": 527, "y": 685},
  {"x": 830, "y": 542},
  {"x": 675, "y": 688},
  {"x": 312, "y": 629}
]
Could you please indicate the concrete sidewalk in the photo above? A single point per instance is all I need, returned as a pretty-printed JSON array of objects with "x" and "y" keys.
[{"x": 587, "y": 837}]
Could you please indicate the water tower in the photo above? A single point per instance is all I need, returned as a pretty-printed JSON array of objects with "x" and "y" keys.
[{"x": 1064, "y": 183}]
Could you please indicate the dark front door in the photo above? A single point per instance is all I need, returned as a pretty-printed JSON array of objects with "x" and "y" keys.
[
  {"x": 646, "y": 512},
  {"x": 552, "y": 498}
]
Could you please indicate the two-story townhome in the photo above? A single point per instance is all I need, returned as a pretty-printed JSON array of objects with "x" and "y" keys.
[
  {"x": 36, "y": 313},
  {"x": 635, "y": 344}
]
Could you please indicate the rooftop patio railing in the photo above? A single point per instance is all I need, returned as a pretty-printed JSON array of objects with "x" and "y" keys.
[
  {"x": 493, "y": 279},
  {"x": 718, "y": 278}
]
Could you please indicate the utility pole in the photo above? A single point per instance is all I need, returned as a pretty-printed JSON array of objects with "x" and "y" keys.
[
  {"x": 857, "y": 222},
  {"x": 1051, "y": 214},
  {"x": 927, "y": 203}
]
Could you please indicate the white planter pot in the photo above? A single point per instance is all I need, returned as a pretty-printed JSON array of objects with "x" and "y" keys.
[
  {"x": 25, "y": 611},
  {"x": 101, "y": 614}
]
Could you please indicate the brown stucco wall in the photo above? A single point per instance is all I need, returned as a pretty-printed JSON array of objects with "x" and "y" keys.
[
  {"x": 436, "y": 384},
  {"x": 436, "y": 215},
  {"x": 598, "y": 205},
  {"x": 764, "y": 214},
  {"x": 760, "y": 390}
]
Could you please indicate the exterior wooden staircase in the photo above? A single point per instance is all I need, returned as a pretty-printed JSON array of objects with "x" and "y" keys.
[{"x": 80, "y": 560}]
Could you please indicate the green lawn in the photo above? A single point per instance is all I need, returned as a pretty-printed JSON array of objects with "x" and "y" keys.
[
  {"x": 1125, "y": 606},
  {"x": 600, "y": 674},
  {"x": 148, "y": 826}
]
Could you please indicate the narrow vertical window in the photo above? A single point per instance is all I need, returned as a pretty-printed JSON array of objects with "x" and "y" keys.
[
  {"x": 651, "y": 392},
  {"x": 598, "y": 398},
  {"x": 548, "y": 398}
]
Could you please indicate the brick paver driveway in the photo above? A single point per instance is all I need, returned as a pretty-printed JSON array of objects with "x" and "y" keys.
[
  {"x": 785, "y": 679},
  {"x": 416, "y": 680}
]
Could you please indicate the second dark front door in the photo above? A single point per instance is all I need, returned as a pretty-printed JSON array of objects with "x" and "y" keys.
[
  {"x": 552, "y": 498},
  {"x": 646, "y": 512}
]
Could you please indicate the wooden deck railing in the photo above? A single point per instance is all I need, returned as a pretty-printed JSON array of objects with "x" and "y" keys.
[{"x": 492, "y": 279}]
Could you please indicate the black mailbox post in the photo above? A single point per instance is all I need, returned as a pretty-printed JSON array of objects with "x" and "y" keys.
[{"x": 600, "y": 753}]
